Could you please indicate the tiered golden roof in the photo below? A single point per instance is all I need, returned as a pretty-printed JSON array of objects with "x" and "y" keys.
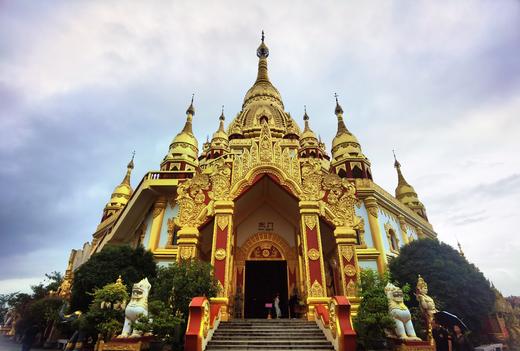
[
  {"x": 344, "y": 145},
  {"x": 262, "y": 102},
  {"x": 121, "y": 193},
  {"x": 406, "y": 194},
  {"x": 184, "y": 147}
]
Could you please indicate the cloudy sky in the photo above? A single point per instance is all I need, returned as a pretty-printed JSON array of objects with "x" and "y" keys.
[{"x": 84, "y": 83}]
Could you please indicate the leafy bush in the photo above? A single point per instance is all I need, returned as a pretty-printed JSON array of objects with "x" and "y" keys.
[
  {"x": 104, "y": 268},
  {"x": 179, "y": 282},
  {"x": 373, "y": 317},
  {"x": 106, "y": 312}
]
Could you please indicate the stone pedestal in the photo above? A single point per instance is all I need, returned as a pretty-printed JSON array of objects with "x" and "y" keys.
[
  {"x": 408, "y": 345},
  {"x": 126, "y": 344}
]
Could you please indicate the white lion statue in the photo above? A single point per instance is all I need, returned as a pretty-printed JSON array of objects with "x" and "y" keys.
[
  {"x": 403, "y": 320},
  {"x": 137, "y": 307}
]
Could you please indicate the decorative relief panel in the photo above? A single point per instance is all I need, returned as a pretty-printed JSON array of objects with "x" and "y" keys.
[{"x": 268, "y": 151}]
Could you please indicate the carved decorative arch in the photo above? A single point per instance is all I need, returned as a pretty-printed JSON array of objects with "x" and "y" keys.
[
  {"x": 244, "y": 252},
  {"x": 252, "y": 177}
]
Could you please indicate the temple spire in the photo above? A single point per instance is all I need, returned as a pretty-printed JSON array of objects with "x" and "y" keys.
[
  {"x": 129, "y": 168},
  {"x": 262, "y": 52},
  {"x": 190, "y": 112},
  {"x": 406, "y": 194},
  {"x": 338, "y": 111},
  {"x": 306, "y": 119},
  {"x": 400, "y": 178}
]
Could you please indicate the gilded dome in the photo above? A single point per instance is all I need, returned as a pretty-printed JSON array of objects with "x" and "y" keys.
[
  {"x": 308, "y": 137},
  {"x": 221, "y": 133},
  {"x": 184, "y": 147},
  {"x": 121, "y": 193},
  {"x": 262, "y": 102}
]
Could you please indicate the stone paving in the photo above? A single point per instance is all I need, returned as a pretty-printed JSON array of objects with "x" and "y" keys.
[{"x": 8, "y": 345}]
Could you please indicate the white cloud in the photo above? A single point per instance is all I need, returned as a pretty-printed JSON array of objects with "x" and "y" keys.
[{"x": 435, "y": 80}]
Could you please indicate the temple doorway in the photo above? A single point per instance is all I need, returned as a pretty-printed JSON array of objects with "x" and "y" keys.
[{"x": 263, "y": 280}]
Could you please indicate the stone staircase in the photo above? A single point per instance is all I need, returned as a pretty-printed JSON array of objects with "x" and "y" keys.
[{"x": 268, "y": 334}]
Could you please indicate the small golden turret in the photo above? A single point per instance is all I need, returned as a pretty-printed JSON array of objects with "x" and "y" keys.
[
  {"x": 219, "y": 142},
  {"x": 405, "y": 193},
  {"x": 309, "y": 143},
  {"x": 121, "y": 193},
  {"x": 348, "y": 161},
  {"x": 184, "y": 148}
]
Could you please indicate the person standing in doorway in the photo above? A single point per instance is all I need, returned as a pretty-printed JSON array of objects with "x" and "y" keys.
[{"x": 277, "y": 306}]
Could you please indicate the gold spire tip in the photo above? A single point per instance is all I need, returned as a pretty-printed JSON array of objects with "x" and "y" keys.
[
  {"x": 191, "y": 109},
  {"x": 338, "y": 110},
  {"x": 222, "y": 117},
  {"x": 131, "y": 163},
  {"x": 396, "y": 163},
  {"x": 305, "y": 115}
]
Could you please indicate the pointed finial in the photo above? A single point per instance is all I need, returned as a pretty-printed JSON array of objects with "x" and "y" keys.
[
  {"x": 262, "y": 51},
  {"x": 305, "y": 115},
  {"x": 191, "y": 109},
  {"x": 131, "y": 163},
  {"x": 222, "y": 117},
  {"x": 396, "y": 163},
  {"x": 338, "y": 110}
]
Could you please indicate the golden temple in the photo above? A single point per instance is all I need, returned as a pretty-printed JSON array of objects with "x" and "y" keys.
[{"x": 266, "y": 205}]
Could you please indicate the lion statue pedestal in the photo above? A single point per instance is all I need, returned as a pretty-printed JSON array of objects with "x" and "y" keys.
[
  {"x": 137, "y": 307},
  {"x": 403, "y": 336}
]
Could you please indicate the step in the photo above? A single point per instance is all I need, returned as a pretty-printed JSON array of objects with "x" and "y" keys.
[
  {"x": 264, "y": 343},
  {"x": 277, "y": 348},
  {"x": 270, "y": 336}
]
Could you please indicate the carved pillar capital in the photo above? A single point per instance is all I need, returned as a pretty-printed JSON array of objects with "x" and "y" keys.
[{"x": 371, "y": 205}]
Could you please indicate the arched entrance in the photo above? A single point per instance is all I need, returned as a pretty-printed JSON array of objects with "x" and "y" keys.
[{"x": 267, "y": 266}]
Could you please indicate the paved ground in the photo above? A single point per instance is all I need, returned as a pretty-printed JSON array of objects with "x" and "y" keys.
[{"x": 8, "y": 345}]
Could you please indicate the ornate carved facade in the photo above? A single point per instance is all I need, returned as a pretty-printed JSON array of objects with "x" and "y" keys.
[{"x": 263, "y": 191}]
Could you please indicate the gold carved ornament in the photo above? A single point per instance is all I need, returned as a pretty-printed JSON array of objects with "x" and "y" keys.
[
  {"x": 351, "y": 288},
  {"x": 341, "y": 200},
  {"x": 373, "y": 210},
  {"x": 205, "y": 318},
  {"x": 157, "y": 211},
  {"x": 220, "y": 254},
  {"x": 347, "y": 252},
  {"x": 310, "y": 221},
  {"x": 191, "y": 200},
  {"x": 221, "y": 180},
  {"x": 350, "y": 270},
  {"x": 222, "y": 222},
  {"x": 187, "y": 252},
  {"x": 313, "y": 254},
  {"x": 332, "y": 319},
  {"x": 316, "y": 290},
  {"x": 311, "y": 180}
]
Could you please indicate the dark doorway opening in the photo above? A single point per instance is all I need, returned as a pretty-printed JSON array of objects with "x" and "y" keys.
[{"x": 264, "y": 279}]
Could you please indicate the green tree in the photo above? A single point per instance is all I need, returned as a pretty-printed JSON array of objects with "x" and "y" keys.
[
  {"x": 373, "y": 317},
  {"x": 174, "y": 288},
  {"x": 104, "y": 268},
  {"x": 106, "y": 312},
  {"x": 179, "y": 282},
  {"x": 456, "y": 285},
  {"x": 51, "y": 282}
]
